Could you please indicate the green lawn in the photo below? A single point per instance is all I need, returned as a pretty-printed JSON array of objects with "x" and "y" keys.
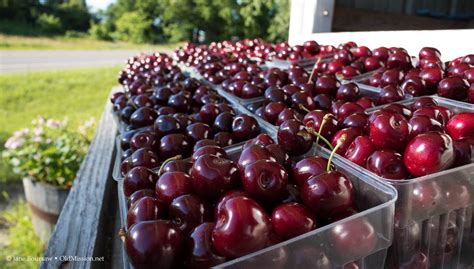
[
  {"x": 77, "y": 94},
  {"x": 13, "y": 42}
]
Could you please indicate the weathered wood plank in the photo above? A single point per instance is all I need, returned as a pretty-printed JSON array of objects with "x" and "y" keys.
[{"x": 78, "y": 230}]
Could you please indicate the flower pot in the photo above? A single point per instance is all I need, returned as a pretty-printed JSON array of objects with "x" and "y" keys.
[{"x": 46, "y": 202}]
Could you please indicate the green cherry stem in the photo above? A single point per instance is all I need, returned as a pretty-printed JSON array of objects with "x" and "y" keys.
[
  {"x": 177, "y": 157},
  {"x": 340, "y": 141},
  {"x": 325, "y": 119},
  {"x": 313, "y": 132},
  {"x": 312, "y": 69}
]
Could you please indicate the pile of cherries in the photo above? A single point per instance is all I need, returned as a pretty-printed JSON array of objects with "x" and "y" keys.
[
  {"x": 395, "y": 142},
  {"x": 453, "y": 80},
  {"x": 208, "y": 209}
]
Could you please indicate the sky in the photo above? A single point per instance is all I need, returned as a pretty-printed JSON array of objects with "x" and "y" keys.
[{"x": 98, "y": 4}]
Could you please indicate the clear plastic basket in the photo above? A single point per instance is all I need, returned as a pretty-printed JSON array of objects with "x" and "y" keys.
[
  {"x": 376, "y": 202},
  {"x": 441, "y": 226}
]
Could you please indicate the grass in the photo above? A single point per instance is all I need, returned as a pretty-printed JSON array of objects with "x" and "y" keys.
[
  {"x": 13, "y": 42},
  {"x": 77, "y": 94},
  {"x": 22, "y": 240}
]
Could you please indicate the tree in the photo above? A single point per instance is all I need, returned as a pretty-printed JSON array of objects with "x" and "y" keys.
[{"x": 131, "y": 26}]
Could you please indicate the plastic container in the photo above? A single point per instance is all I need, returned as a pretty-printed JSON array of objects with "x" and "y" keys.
[
  {"x": 265, "y": 127},
  {"x": 307, "y": 63},
  {"x": 434, "y": 213},
  {"x": 375, "y": 200}
]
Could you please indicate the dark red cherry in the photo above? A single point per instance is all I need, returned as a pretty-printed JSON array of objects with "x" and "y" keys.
[
  {"x": 348, "y": 92},
  {"x": 359, "y": 150},
  {"x": 199, "y": 251},
  {"x": 294, "y": 138},
  {"x": 144, "y": 157},
  {"x": 414, "y": 86},
  {"x": 387, "y": 164},
  {"x": 144, "y": 140},
  {"x": 209, "y": 113},
  {"x": 142, "y": 100},
  {"x": 426, "y": 52},
  {"x": 389, "y": 94},
  {"x": 209, "y": 150},
  {"x": 365, "y": 102},
  {"x": 308, "y": 167},
  {"x": 213, "y": 176},
  {"x": 462, "y": 152},
  {"x": 245, "y": 127},
  {"x": 272, "y": 110},
  {"x": 302, "y": 101},
  {"x": 348, "y": 108},
  {"x": 288, "y": 114},
  {"x": 438, "y": 153},
  {"x": 422, "y": 124},
  {"x": 242, "y": 227},
  {"x": 350, "y": 133},
  {"x": 389, "y": 131},
  {"x": 198, "y": 131},
  {"x": 265, "y": 180},
  {"x": 422, "y": 102},
  {"x": 328, "y": 193},
  {"x": 147, "y": 208},
  {"x": 166, "y": 124},
  {"x": 461, "y": 126},
  {"x": 188, "y": 211},
  {"x": 203, "y": 143},
  {"x": 138, "y": 178},
  {"x": 357, "y": 120},
  {"x": 290, "y": 89},
  {"x": 142, "y": 117},
  {"x": 154, "y": 244},
  {"x": 351, "y": 239},
  {"x": 273, "y": 94},
  {"x": 174, "y": 144},
  {"x": 453, "y": 88},
  {"x": 178, "y": 166},
  {"x": 251, "y": 91},
  {"x": 323, "y": 102},
  {"x": 391, "y": 76},
  {"x": 224, "y": 139},
  {"x": 292, "y": 219},
  {"x": 223, "y": 122},
  {"x": 166, "y": 110},
  {"x": 134, "y": 197},
  {"x": 399, "y": 60},
  {"x": 171, "y": 185},
  {"x": 179, "y": 102},
  {"x": 431, "y": 76},
  {"x": 372, "y": 63},
  {"x": 253, "y": 153},
  {"x": 315, "y": 119},
  {"x": 327, "y": 85},
  {"x": 381, "y": 53}
]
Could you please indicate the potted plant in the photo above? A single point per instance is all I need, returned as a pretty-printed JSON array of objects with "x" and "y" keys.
[{"x": 47, "y": 156}]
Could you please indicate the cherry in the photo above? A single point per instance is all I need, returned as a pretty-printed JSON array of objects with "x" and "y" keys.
[
  {"x": 322, "y": 122},
  {"x": 179, "y": 102},
  {"x": 292, "y": 219},
  {"x": 120, "y": 103},
  {"x": 372, "y": 63},
  {"x": 414, "y": 86},
  {"x": 188, "y": 211},
  {"x": 311, "y": 47},
  {"x": 348, "y": 108},
  {"x": 242, "y": 227},
  {"x": 265, "y": 180},
  {"x": 422, "y": 124},
  {"x": 272, "y": 111},
  {"x": 359, "y": 150},
  {"x": 425, "y": 196},
  {"x": 251, "y": 91},
  {"x": 327, "y": 85},
  {"x": 461, "y": 126},
  {"x": 223, "y": 122},
  {"x": 177, "y": 166},
  {"x": 274, "y": 94},
  {"x": 161, "y": 95},
  {"x": 224, "y": 198},
  {"x": 469, "y": 75},
  {"x": 323, "y": 101},
  {"x": 144, "y": 140},
  {"x": 348, "y": 92},
  {"x": 309, "y": 256},
  {"x": 260, "y": 140},
  {"x": 453, "y": 88},
  {"x": 245, "y": 127},
  {"x": 253, "y": 153},
  {"x": 126, "y": 113},
  {"x": 199, "y": 252},
  {"x": 154, "y": 244},
  {"x": 432, "y": 112},
  {"x": 302, "y": 101},
  {"x": 328, "y": 193},
  {"x": 183, "y": 120},
  {"x": 146, "y": 208},
  {"x": 294, "y": 138},
  {"x": 389, "y": 131},
  {"x": 134, "y": 197},
  {"x": 470, "y": 94},
  {"x": 142, "y": 100},
  {"x": 171, "y": 185},
  {"x": 166, "y": 124},
  {"x": 144, "y": 157},
  {"x": 166, "y": 110},
  {"x": 387, "y": 164},
  {"x": 365, "y": 102},
  {"x": 391, "y": 76},
  {"x": 381, "y": 53},
  {"x": 212, "y": 176},
  {"x": 374, "y": 80},
  {"x": 279, "y": 154},
  {"x": 431, "y": 76},
  {"x": 427, "y": 52},
  {"x": 357, "y": 120},
  {"x": 203, "y": 143},
  {"x": 350, "y": 134},
  {"x": 198, "y": 131},
  {"x": 399, "y": 60},
  {"x": 142, "y": 117},
  {"x": 209, "y": 113},
  {"x": 138, "y": 178},
  {"x": 174, "y": 144},
  {"x": 458, "y": 70},
  {"x": 114, "y": 96},
  {"x": 389, "y": 94},
  {"x": 224, "y": 139},
  {"x": 290, "y": 89},
  {"x": 463, "y": 151},
  {"x": 438, "y": 153},
  {"x": 307, "y": 167},
  {"x": 288, "y": 114},
  {"x": 352, "y": 239}
]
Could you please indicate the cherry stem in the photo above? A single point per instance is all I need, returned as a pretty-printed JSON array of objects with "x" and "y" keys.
[
  {"x": 122, "y": 234},
  {"x": 314, "y": 68},
  {"x": 302, "y": 107},
  {"x": 177, "y": 157},
  {"x": 340, "y": 141},
  {"x": 325, "y": 119},
  {"x": 313, "y": 132}
]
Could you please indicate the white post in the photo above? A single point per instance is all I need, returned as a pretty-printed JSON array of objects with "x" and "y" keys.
[{"x": 310, "y": 16}]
